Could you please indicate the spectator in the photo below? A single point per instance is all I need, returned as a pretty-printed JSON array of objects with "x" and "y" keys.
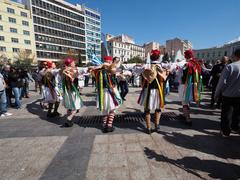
[
  {"x": 215, "y": 75},
  {"x": 8, "y": 89},
  {"x": 26, "y": 80},
  {"x": 3, "y": 98},
  {"x": 229, "y": 87},
  {"x": 16, "y": 84},
  {"x": 123, "y": 84}
]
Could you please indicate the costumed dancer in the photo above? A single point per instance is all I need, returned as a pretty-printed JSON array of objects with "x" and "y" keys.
[
  {"x": 152, "y": 94},
  {"x": 108, "y": 97},
  {"x": 191, "y": 84},
  {"x": 50, "y": 92},
  {"x": 72, "y": 100}
]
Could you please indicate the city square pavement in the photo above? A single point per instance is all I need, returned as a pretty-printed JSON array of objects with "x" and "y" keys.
[{"x": 35, "y": 147}]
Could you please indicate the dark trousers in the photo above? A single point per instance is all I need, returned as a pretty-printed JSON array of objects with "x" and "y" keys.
[
  {"x": 212, "y": 97},
  {"x": 230, "y": 116},
  {"x": 124, "y": 88}
]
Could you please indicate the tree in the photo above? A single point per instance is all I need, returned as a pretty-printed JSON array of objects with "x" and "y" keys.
[
  {"x": 135, "y": 59},
  {"x": 4, "y": 59},
  {"x": 24, "y": 58}
]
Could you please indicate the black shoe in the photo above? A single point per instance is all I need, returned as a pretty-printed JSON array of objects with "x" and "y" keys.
[
  {"x": 224, "y": 134},
  {"x": 68, "y": 124},
  {"x": 110, "y": 129},
  {"x": 157, "y": 129},
  {"x": 50, "y": 115},
  {"x": 56, "y": 114},
  {"x": 235, "y": 131},
  {"x": 149, "y": 131}
]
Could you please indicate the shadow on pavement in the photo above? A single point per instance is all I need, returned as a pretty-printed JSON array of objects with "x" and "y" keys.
[
  {"x": 35, "y": 108},
  {"x": 209, "y": 144},
  {"x": 214, "y": 168}
]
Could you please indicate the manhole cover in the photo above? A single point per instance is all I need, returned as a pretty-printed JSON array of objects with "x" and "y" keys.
[{"x": 126, "y": 118}]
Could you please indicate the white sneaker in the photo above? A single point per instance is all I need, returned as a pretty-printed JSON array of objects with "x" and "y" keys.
[
  {"x": 7, "y": 114},
  {"x": 2, "y": 115}
]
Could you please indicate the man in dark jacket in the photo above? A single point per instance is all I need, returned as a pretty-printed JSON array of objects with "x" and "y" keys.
[
  {"x": 229, "y": 87},
  {"x": 215, "y": 74}
]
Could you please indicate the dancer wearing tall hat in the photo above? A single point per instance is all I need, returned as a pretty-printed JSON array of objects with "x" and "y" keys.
[
  {"x": 50, "y": 92},
  {"x": 191, "y": 84},
  {"x": 152, "y": 94},
  {"x": 108, "y": 97},
  {"x": 72, "y": 100}
]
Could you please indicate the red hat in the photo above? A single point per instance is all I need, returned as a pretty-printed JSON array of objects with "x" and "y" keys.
[
  {"x": 68, "y": 61},
  {"x": 155, "y": 52},
  {"x": 49, "y": 64},
  {"x": 188, "y": 54},
  {"x": 108, "y": 58}
]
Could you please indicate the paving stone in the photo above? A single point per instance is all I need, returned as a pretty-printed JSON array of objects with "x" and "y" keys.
[
  {"x": 133, "y": 147},
  {"x": 102, "y": 139},
  {"x": 161, "y": 169},
  {"x": 117, "y": 147},
  {"x": 130, "y": 138},
  {"x": 96, "y": 174},
  {"x": 136, "y": 159},
  {"x": 118, "y": 174},
  {"x": 98, "y": 160},
  {"x": 140, "y": 173},
  {"x": 116, "y": 138},
  {"x": 117, "y": 160},
  {"x": 100, "y": 148},
  {"x": 149, "y": 145},
  {"x": 144, "y": 138}
]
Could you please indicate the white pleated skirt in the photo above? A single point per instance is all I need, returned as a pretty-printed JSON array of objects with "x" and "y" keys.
[
  {"x": 48, "y": 96},
  {"x": 181, "y": 94},
  {"x": 72, "y": 100},
  {"x": 154, "y": 99},
  {"x": 108, "y": 104}
]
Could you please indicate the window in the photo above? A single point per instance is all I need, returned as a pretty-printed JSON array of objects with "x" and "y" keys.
[
  {"x": 15, "y": 49},
  {"x": 27, "y": 41},
  {"x": 1, "y": 28},
  {"x": 26, "y": 32},
  {"x": 3, "y": 49},
  {"x": 12, "y": 20},
  {"x": 23, "y": 14},
  {"x": 2, "y": 38},
  {"x": 10, "y": 10},
  {"x": 15, "y": 40},
  {"x": 25, "y": 23},
  {"x": 13, "y": 30}
]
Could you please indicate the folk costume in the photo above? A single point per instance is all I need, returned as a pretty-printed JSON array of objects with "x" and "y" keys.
[
  {"x": 72, "y": 100},
  {"x": 108, "y": 97},
  {"x": 191, "y": 84},
  {"x": 50, "y": 93},
  {"x": 152, "y": 94}
]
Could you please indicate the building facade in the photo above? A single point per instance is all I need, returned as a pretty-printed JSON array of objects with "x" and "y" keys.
[
  {"x": 124, "y": 47},
  {"x": 173, "y": 45},
  {"x": 211, "y": 55},
  {"x": 150, "y": 46},
  {"x": 93, "y": 32},
  {"x": 59, "y": 30},
  {"x": 16, "y": 32}
]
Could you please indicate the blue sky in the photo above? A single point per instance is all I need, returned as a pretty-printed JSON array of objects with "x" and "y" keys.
[{"x": 205, "y": 23}]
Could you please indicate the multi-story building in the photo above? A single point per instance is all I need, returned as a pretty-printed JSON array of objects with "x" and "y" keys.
[
  {"x": 124, "y": 47},
  {"x": 59, "y": 29},
  {"x": 93, "y": 32},
  {"x": 215, "y": 53},
  {"x": 150, "y": 46},
  {"x": 173, "y": 45},
  {"x": 16, "y": 32}
]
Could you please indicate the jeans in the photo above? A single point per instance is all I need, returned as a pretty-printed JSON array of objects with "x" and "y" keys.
[
  {"x": 3, "y": 102},
  {"x": 17, "y": 94},
  {"x": 230, "y": 116},
  {"x": 124, "y": 88}
]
